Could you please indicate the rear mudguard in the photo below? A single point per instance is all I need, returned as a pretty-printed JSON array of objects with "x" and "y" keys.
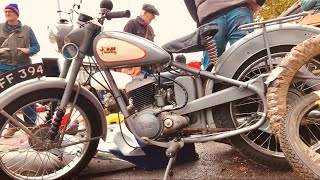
[
  {"x": 240, "y": 52},
  {"x": 49, "y": 82}
]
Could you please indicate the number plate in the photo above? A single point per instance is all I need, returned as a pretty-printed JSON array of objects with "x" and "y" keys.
[{"x": 21, "y": 74}]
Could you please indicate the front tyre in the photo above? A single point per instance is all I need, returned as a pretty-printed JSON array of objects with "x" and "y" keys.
[
  {"x": 300, "y": 136},
  {"x": 21, "y": 155}
]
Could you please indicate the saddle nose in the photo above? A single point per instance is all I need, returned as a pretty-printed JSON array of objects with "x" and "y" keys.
[{"x": 193, "y": 42}]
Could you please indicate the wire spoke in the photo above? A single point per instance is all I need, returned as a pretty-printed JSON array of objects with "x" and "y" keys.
[
  {"x": 24, "y": 158},
  {"x": 316, "y": 146}
]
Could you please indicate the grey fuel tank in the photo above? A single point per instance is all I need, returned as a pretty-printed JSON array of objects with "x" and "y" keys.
[{"x": 119, "y": 49}]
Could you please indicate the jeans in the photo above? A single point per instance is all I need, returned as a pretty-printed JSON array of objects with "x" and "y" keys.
[
  {"x": 29, "y": 113},
  {"x": 228, "y": 29}
]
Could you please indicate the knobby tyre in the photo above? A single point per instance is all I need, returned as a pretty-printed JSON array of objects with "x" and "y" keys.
[
  {"x": 300, "y": 136},
  {"x": 288, "y": 67}
]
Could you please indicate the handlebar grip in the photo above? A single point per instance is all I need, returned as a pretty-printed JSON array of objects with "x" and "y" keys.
[{"x": 118, "y": 14}]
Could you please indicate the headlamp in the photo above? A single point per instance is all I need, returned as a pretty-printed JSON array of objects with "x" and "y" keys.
[{"x": 57, "y": 33}]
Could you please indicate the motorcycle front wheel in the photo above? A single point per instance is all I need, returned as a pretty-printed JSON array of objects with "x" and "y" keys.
[
  {"x": 23, "y": 158},
  {"x": 300, "y": 136}
]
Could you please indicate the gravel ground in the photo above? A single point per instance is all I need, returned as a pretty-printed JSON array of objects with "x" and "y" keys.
[{"x": 217, "y": 161}]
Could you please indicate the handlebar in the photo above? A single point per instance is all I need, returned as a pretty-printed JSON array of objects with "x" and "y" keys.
[{"x": 118, "y": 14}]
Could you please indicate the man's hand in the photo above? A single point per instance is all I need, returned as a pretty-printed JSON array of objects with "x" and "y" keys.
[
  {"x": 3, "y": 50},
  {"x": 255, "y": 7},
  {"x": 24, "y": 50},
  {"x": 132, "y": 71}
]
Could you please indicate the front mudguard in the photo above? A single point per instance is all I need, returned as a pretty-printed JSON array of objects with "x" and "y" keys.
[
  {"x": 239, "y": 53},
  {"x": 45, "y": 83}
]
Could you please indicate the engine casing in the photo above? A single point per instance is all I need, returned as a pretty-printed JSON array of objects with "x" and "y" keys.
[{"x": 147, "y": 124}]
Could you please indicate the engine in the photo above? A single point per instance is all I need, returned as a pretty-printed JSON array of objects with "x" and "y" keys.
[
  {"x": 142, "y": 93},
  {"x": 148, "y": 101},
  {"x": 149, "y": 123}
]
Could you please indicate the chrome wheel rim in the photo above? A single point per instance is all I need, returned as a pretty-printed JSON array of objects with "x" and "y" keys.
[{"x": 22, "y": 160}]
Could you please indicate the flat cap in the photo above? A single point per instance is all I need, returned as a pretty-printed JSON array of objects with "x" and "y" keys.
[{"x": 150, "y": 8}]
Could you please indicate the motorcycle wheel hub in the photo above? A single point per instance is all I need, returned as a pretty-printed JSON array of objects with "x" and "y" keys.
[{"x": 41, "y": 132}]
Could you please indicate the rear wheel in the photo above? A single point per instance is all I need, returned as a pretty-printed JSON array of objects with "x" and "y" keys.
[
  {"x": 23, "y": 158},
  {"x": 258, "y": 145},
  {"x": 300, "y": 136}
]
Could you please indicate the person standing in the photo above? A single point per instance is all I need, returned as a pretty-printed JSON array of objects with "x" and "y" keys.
[
  {"x": 140, "y": 26},
  {"x": 17, "y": 43},
  {"x": 228, "y": 15}
]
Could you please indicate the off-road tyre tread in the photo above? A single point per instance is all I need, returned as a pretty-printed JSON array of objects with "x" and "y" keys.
[
  {"x": 278, "y": 89},
  {"x": 286, "y": 146}
]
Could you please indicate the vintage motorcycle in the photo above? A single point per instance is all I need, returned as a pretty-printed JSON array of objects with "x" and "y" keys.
[
  {"x": 226, "y": 102},
  {"x": 297, "y": 127}
]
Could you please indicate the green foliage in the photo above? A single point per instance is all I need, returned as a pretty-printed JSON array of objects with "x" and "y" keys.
[{"x": 273, "y": 8}]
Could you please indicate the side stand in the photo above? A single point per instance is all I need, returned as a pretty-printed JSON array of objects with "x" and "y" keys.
[
  {"x": 171, "y": 153},
  {"x": 169, "y": 167}
]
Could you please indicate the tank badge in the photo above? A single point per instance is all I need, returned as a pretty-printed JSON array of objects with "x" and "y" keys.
[
  {"x": 117, "y": 50},
  {"x": 108, "y": 50}
]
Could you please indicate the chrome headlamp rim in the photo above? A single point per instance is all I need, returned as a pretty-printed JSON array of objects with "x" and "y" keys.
[{"x": 70, "y": 51}]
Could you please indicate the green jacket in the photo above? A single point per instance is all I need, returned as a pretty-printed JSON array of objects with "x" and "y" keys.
[{"x": 20, "y": 39}]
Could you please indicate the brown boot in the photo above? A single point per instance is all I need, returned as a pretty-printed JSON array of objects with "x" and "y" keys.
[{"x": 10, "y": 132}]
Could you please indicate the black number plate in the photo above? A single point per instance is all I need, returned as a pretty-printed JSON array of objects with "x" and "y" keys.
[{"x": 21, "y": 74}]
